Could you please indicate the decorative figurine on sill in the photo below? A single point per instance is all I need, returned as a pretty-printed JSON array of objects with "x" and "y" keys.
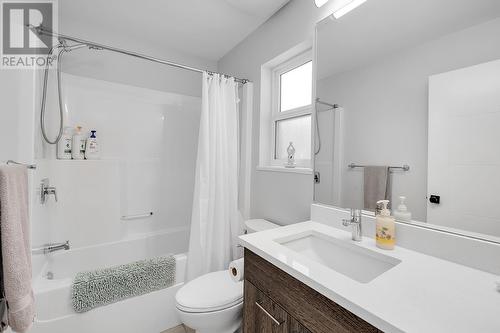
[{"x": 291, "y": 156}]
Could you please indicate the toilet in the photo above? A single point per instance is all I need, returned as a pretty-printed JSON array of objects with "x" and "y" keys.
[{"x": 213, "y": 303}]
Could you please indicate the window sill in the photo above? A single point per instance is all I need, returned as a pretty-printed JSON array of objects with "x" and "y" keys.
[{"x": 299, "y": 170}]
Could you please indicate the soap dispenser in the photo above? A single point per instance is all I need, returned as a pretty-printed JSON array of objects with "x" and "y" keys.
[
  {"x": 92, "y": 147},
  {"x": 65, "y": 144},
  {"x": 385, "y": 227},
  {"x": 78, "y": 144},
  {"x": 402, "y": 213}
]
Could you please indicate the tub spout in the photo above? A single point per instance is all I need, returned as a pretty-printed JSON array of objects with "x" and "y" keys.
[{"x": 53, "y": 247}]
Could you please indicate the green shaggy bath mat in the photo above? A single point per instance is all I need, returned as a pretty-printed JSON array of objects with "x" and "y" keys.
[{"x": 105, "y": 286}]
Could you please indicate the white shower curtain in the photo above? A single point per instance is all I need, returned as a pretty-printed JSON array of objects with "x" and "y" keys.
[{"x": 216, "y": 220}]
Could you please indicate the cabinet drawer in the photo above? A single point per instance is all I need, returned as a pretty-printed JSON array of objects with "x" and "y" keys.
[{"x": 261, "y": 315}]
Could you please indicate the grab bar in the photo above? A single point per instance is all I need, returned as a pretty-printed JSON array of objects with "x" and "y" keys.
[{"x": 137, "y": 216}]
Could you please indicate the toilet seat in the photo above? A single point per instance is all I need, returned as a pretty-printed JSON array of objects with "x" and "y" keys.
[{"x": 210, "y": 292}]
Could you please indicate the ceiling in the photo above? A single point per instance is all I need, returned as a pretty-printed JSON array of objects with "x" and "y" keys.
[
  {"x": 380, "y": 27},
  {"x": 204, "y": 28}
]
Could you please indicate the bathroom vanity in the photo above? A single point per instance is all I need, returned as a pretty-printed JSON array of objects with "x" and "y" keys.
[
  {"x": 311, "y": 277},
  {"x": 277, "y": 302}
]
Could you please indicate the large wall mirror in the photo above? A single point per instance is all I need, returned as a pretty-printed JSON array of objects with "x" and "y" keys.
[{"x": 408, "y": 108}]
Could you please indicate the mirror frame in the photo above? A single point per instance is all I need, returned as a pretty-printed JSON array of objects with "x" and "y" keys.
[{"x": 423, "y": 225}]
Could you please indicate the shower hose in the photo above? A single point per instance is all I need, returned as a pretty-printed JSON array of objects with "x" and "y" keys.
[{"x": 62, "y": 49}]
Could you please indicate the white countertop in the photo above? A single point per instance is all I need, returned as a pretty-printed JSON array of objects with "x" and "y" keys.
[{"x": 420, "y": 294}]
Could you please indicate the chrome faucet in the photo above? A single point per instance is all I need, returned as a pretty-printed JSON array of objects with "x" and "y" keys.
[
  {"x": 46, "y": 190},
  {"x": 355, "y": 222},
  {"x": 52, "y": 247}
]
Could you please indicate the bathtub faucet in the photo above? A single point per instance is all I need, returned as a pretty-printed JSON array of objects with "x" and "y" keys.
[{"x": 53, "y": 247}]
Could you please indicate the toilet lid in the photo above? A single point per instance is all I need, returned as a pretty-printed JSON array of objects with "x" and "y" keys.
[{"x": 210, "y": 292}]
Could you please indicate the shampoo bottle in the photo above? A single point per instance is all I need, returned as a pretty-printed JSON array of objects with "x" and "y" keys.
[
  {"x": 78, "y": 142},
  {"x": 92, "y": 147},
  {"x": 65, "y": 144},
  {"x": 386, "y": 228},
  {"x": 402, "y": 213}
]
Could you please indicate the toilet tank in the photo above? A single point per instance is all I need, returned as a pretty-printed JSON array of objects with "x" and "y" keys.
[{"x": 256, "y": 225}]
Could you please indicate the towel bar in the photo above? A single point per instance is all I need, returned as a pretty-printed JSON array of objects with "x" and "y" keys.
[
  {"x": 29, "y": 166},
  {"x": 405, "y": 167}
]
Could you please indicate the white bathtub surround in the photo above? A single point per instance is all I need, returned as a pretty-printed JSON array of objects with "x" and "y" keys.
[
  {"x": 16, "y": 247},
  {"x": 418, "y": 293},
  {"x": 53, "y": 302},
  {"x": 216, "y": 220},
  {"x": 148, "y": 143}
]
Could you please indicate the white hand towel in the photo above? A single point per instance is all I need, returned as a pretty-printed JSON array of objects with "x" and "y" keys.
[
  {"x": 236, "y": 270},
  {"x": 16, "y": 247}
]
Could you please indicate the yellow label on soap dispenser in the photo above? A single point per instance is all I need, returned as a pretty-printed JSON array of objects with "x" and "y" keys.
[{"x": 385, "y": 233}]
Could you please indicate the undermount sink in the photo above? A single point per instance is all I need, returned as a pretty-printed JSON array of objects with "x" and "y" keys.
[{"x": 344, "y": 257}]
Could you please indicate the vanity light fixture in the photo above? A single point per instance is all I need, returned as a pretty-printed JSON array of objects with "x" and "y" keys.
[
  {"x": 320, "y": 3},
  {"x": 347, "y": 8}
]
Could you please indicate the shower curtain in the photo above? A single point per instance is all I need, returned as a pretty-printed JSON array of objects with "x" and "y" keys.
[{"x": 216, "y": 220}]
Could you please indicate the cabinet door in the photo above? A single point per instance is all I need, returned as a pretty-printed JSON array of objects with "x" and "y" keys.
[
  {"x": 262, "y": 315},
  {"x": 296, "y": 327}
]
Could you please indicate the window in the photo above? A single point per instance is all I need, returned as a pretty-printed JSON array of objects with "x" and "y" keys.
[{"x": 291, "y": 110}]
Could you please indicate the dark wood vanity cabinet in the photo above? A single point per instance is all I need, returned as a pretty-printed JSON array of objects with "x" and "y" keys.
[
  {"x": 262, "y": 315},
  {"x": 276, "y": 302}
]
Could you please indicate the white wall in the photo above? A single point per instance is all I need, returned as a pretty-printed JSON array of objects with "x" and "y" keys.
[
  {"x": 386, "y": 109},
  {"x": 464, "y": 131},
  {"x": 280, "y": 197}
]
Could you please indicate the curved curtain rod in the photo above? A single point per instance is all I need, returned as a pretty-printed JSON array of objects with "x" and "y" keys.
[{"x": 40, "y": 30}]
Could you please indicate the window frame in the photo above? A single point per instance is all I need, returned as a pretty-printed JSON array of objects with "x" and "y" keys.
[{"x": 278, "y": 115}]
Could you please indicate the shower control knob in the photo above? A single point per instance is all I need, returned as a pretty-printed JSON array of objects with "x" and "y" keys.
[{"x": 46, "y": 191}]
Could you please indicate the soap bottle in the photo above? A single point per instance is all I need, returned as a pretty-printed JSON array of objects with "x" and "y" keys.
[
  {"x": 92, "y": 147},
  {"x": 64, "y": 144},
  {"x": 78, "y": 143},
  {"x": 290, "y": 156},
  {"x": 385, "y": 228},
  {"x": 402, "y": 213}
]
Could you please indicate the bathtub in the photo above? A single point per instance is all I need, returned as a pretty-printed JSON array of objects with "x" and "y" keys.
[{"x": 149, "y": 313}]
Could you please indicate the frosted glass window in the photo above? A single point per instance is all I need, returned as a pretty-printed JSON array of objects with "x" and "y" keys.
[
  {"x": 296, "y": 130},
  {"x": 296, "y": 87}
]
